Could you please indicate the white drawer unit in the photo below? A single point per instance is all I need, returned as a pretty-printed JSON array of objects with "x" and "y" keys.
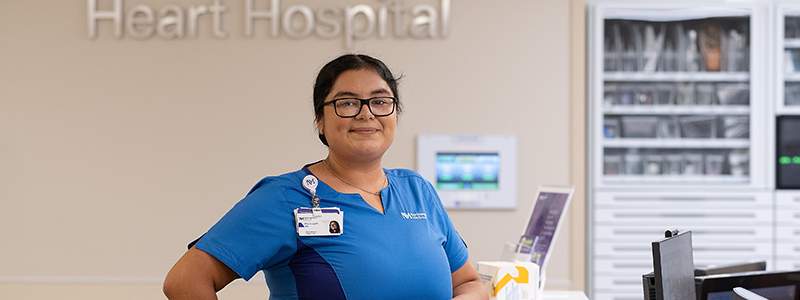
[
  {"x": 787, "y": 229},
  {"x": 727, "y": 227}
]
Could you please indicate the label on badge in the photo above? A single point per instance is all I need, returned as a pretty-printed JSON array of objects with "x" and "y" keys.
[{"x": 316, "y": 221}]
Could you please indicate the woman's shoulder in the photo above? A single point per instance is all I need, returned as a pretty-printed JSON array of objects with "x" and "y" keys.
[
  {"x": 279, "y": 181},
  {"x": 407, "y": 176},
  {"x": 402, "y": 173}
]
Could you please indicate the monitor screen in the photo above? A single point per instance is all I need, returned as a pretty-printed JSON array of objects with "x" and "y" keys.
[
  {"x": 773, "y": 285},
  {"x": 467, "y": 171},
  {"x": 784, "y": 292},
  {"x": 788, "y": 152}
]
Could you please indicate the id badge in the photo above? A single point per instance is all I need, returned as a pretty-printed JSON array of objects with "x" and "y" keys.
[{"x": 326, "y": 221}]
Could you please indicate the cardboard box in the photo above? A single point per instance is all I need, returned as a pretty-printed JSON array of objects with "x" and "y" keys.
[{"x": 510, "y": 280}]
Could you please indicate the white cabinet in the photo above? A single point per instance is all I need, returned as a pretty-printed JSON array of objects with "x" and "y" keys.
[
  {"x": 679, "y": 124},
  {"x": 676, "y": 92}
]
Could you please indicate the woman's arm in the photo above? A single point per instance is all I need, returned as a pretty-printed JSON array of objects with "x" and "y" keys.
[
  {"x": 467, "y": 284},
  {"x": 197, "y": 275}
]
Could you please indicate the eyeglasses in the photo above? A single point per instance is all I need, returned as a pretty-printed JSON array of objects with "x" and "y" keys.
[{"x": 351, "y": 107}]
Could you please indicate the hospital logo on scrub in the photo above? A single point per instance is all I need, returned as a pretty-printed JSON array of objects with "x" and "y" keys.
[{"x": 414, "y": 216}]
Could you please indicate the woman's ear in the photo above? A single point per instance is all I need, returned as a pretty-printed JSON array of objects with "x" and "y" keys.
[{"x": 320, "y": 126}]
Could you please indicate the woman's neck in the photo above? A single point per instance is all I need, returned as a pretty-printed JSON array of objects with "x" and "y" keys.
[{"x": 355, "y": 171}]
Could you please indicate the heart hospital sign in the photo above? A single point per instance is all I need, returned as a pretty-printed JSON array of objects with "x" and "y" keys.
[{"x": 298, "y": 21}]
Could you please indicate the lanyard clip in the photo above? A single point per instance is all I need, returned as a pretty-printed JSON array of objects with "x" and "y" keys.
[{"x": 310, "y": 183}]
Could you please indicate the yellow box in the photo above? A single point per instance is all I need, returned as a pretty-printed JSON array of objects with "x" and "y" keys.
[{"x": 506, "y": 280}]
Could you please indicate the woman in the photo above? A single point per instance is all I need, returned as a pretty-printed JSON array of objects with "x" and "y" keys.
[{"x": 396, "y": 241}]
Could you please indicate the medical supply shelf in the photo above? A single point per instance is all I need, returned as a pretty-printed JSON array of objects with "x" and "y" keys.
[
  {"x": 786, "y": 85},
  {"x": 679, "y": 120}
]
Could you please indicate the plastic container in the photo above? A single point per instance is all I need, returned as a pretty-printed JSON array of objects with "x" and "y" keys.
[
  {"x": 611, "y": 128},
  {"x": 633, "y": 164},
  {"x": 612, "y": 164},
  {"x": 673, "y": 164},
  {"x": 692, "y": 164},
  {"x": 668, "y": 128},
  {"x": 705, "y": 94},
  {"x": 610, "y": 95},
  {"x": 639, "y": 126},
  {"x": 791, "y": 94},
  {"x": 653, "y": 164},
  {"x": 714, "y": 163},
  {"x": 665, "y": 94},
  {"x": 733, "y": 93},
  {"x": 739, "y": 163},
  {"x": 684, "y": 94},
  {"x": 699, "y": 127},
  {"x": 645, "y": 94},
  {"x": 735, "y": 127},
  {"x": 625, "y": 94}
]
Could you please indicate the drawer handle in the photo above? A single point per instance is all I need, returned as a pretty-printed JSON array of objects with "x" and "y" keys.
[
  {"x": 730, "y": 249},
  {"x": 677, "y": 215},
  {"x": 632, "y": 266},
  {"x": 640, "y": 199},
  {"x": 631, "y": 248}
]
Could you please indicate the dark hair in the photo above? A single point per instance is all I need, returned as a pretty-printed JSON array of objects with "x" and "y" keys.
[{"x": 328, "y": 74}]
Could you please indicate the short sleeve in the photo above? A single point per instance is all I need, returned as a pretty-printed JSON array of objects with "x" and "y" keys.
[
  {"x": 256, "y": 233},
  {"x": 454, "y": 245}
]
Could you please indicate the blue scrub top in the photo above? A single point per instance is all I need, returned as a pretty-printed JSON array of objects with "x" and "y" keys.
[{"x": 407, "y": 253}]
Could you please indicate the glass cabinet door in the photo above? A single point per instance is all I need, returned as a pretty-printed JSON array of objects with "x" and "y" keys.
[
  {"x": 673, "y": 96},
  {"x": 788, "y": 59}
]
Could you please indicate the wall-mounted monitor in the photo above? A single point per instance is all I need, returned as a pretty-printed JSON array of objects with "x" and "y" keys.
[{"x": 470, "y": 171}]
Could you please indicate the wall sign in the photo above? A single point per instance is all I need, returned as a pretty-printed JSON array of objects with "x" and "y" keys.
[{"x": 298, "y": 21}]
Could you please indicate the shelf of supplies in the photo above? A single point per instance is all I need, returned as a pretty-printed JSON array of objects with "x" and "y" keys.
[
  {"x": 677, "y": 110},
  {"x": 676, "y": 143},
  {"x": 675, "y": 179},
  {"x": 678, "y": 76}
]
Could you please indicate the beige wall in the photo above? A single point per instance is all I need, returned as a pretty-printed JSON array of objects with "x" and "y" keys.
[{"x": 115, "y": 153}]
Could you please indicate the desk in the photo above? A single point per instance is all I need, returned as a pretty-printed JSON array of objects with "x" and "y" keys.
[{"x": 564, "y": 295}]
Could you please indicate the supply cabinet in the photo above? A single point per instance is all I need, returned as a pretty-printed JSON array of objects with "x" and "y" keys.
[
  {"x": 786, "y": 85},
  {"x": 679, "y": 121},
  {"x": 671, "y": 91}
]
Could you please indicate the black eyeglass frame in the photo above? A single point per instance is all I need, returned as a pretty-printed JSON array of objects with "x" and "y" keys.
[{"x": 360, "y": 106}]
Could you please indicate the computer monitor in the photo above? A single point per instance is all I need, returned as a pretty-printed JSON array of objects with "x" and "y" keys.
[{"x": 673, "y": 265}]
